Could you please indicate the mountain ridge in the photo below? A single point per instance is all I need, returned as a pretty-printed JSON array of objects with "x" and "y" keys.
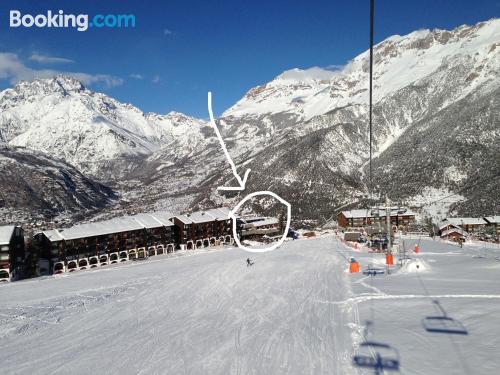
[{"x": 174, "y": 161}]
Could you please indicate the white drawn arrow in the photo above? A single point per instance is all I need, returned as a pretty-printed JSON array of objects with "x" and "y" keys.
[{"x": 241, "y": 182}]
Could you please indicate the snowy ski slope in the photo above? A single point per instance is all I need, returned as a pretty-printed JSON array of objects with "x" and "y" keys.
[{"x": 296, "y": 311}]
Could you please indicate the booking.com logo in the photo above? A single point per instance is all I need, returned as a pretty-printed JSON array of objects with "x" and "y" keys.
[{"x": 79, "y": 21}]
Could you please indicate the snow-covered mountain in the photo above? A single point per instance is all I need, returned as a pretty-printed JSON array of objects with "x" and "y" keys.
[
  {"x": 61, "y": 117},
  {"x": 308, "y": 129},
  {"x": 304, "y": 134},
  {"x": 398, "y": 62}
]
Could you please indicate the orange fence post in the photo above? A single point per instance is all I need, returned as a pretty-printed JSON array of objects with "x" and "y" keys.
[{"x": 389, "y": 260}]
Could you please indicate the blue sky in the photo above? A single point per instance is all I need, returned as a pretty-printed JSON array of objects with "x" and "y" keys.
[{"x": 181, "y": 49}]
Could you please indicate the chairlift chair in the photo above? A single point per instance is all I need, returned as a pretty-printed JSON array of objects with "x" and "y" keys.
[{"x": 377, "y": 356}]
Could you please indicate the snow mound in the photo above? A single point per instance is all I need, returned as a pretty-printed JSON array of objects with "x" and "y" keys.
[{"x": 414, "y": 265}]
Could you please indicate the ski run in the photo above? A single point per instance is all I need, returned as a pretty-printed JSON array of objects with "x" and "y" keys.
[{"x": 296, "y": 310}]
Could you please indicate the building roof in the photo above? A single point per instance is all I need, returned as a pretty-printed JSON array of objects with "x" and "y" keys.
[
  {"x": 116, "y": 225},
  {"x": 465, "y": 220},
  {"x": 6, "y": 233},
  {"x": 219, "y": 213},
  {"x": 266, "y": 221},
  {"x": 446, "y": 224},
  {"x": 53, "y": 235},
  {"x": 165, "y": 217},
  {"x": 376, "y": 212},
  {"x": 184, "y": 219},
  {"x": 493, "y": 219},
  {"x": 155, "y": 220},
  {"x": 200, "y": 217},
  {"x": 454, "y": 230},
  {"x": 259, "y": 221},
  {"x": 136, "y": 222}
]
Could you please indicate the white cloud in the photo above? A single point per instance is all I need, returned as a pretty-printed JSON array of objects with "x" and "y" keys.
[
  {"x": 156, "y": 79},
  {"x": 136, "y": 76},
  {"x": 44, "y": 59},
  {"x": 167, "y": 32},
  {"x": 14, "y": 70}
]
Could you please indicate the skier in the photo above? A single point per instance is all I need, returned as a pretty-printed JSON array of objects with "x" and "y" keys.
[{"x": 249, "y": 262}]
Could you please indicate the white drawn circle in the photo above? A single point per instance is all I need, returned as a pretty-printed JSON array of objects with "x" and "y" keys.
[{"x": 232, "y": 215}]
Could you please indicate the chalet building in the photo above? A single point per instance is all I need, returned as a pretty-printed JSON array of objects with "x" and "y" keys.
[
  {"x": 96, "y": 244},
  {"x": 256, "y": 227},
  {"x": 203, "y": 228},
  {"x": 454, "y": 234},
  {"x": 12, "y": 252},
  {"x": 471, "y": 225},
  {"x": 494, "y": 221},
  {"x": 400, "y": 217}
]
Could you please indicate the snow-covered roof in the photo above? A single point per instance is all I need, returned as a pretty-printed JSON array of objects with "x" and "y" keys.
[
  {"x": 200, "y": 217},
  {"x": 116, "y": 225},
  {"x": 355, "y": 214},
  {"x": 454, "y": 230},
  {"x": 265, "y": 221},
  {"x": 259, "y": 221},
  {"x": 6, "y": 233},
  {"x": 184, "y": 219},
  {"x": 156, "y": 220},
  {"x": 219, "y": 213},
  {"x": 362, "y": 213},
  {"x": 465, "y": 220},
  {"x": 492, "y": 219},
  {"x": 136, "y": 222},
  {"x": 445, "y": 224}
]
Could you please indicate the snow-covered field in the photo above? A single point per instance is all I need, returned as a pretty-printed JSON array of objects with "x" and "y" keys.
[{"x": 296, "y": 311}]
